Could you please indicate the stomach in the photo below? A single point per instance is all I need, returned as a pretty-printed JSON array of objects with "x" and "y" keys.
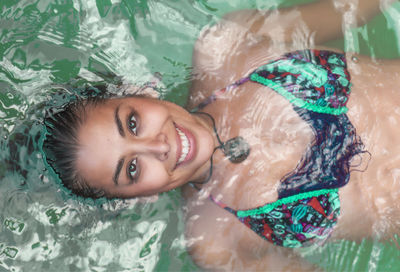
[{"x": 374, "y": 110}]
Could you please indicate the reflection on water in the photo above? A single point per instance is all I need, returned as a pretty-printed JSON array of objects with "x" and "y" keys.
[{"x": 47, "y": 44}]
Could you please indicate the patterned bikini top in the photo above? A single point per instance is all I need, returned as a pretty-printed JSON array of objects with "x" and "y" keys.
[
  {"x": 316, "y": 80},
  {"x": 317, "y": 83}
]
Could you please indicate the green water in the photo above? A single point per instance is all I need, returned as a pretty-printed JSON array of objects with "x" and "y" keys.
[{"x": 49, "y": 50}]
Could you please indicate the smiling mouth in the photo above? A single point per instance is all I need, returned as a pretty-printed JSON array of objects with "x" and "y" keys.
[{"x": 185, "y": 145}]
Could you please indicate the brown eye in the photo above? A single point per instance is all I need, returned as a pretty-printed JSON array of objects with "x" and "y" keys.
[
  {"x": 132, "y": 123},
  {"x": 132, "y": 169}
]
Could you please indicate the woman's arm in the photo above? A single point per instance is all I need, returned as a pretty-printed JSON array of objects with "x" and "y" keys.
[
  {"x": 216, "y": 256},
  {"x": 244, "y": 39},
  {"x": 322, "y": 20}
]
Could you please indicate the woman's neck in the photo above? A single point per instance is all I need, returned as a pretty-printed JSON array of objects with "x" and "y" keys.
[{"x": 203, "y": 174}]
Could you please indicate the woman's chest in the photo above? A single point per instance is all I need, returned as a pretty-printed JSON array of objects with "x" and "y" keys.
[{"x": 277, "y": 137}]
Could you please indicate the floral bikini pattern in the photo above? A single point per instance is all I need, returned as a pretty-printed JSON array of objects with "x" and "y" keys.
[
  {"x": 311, "y": 79},
  {"x": 317, "y": 83},
  {"x": 296, "y": 221}
]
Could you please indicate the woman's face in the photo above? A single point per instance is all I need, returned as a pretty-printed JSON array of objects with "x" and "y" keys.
[{"x": 141, "y": 146}]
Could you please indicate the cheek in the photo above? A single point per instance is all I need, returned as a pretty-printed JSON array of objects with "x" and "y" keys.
[{"x": 153, "y": 175}]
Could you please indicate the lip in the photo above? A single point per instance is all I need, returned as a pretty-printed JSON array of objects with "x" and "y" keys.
[{"x": 192, "y": 145}]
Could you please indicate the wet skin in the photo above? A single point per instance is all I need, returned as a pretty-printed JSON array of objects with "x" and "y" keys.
[{"x": 132, "y": 146}]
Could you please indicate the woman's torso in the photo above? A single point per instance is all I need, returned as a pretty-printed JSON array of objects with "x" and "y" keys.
[{"x": 278, "y": 139}]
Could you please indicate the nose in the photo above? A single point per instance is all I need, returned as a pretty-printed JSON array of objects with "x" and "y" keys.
[{"x": 158, "y": 146}]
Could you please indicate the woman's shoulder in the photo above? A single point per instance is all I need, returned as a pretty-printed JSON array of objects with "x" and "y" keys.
[
  {"x": 215, "y": 53},
  {"x": 209, "y": 234},
  {"x": 216, "y": 240},
  {"x": 224, "y": 45}
]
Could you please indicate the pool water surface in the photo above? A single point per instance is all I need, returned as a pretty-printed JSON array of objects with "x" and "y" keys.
[{"x": 51, "y": 50}]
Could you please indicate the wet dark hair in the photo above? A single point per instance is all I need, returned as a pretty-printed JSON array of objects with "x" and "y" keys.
[{"x": 61, "y": 144}]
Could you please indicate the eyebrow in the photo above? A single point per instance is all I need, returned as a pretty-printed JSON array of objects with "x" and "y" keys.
[
  {"x": 118, "y": 122},
  {"x": 118, "y": 170},
  {"x": 122, "y": 133}
]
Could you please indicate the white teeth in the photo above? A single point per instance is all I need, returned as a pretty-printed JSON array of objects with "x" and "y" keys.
[{"x": 185, "y": 145}]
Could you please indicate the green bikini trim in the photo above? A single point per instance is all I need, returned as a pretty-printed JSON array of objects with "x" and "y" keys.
[
  {"x": 290, "y": 199},
  {"x": 293, "y": 99},
  {"x": 311, "y": 72}
]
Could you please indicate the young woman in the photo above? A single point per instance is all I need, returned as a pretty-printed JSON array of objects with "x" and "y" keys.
[{"x": 265, "y": 160}]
